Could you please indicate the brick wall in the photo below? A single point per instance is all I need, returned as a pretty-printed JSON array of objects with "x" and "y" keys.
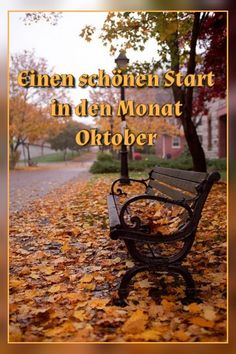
[{"x": 164, "y": 147}]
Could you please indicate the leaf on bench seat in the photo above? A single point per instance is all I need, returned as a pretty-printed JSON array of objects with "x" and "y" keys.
[{"x": 158, "y": 216}]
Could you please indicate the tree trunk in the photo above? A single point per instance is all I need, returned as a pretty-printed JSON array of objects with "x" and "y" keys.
[
  {"x": 23, "y": 149},
  {"x": 14, "y": 153},
  {"x": 186, "y": 96},
  {"x": 13, "y": 159},
  {"x": 65, "y": 155},
  {"x": 42, "y": 150},
  {"x": 194, "y": 145},
  {"x": 28, "y": 153}
]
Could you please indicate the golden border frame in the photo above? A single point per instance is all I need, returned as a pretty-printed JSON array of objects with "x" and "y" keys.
[{"x": 227, "y": 172}]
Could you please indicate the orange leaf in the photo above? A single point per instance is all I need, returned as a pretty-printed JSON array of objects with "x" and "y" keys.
[
  {"x": 193, "y": 308},
  {"x": 136, "y": 323},
  {"x": 199, "y": 321},
  {"x": 182, "y": 336}
]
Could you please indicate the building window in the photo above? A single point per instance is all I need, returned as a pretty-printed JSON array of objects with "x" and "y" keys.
[
  {"x": 209, "y": 129},
  {"x": 176, "y": 142},
  {"x": 199, "y": 123}
]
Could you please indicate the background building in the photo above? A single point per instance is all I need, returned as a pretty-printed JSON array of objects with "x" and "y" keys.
[{"x": 211, "y": 129}]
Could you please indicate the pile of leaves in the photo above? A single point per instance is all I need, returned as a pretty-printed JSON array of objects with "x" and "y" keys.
[{"x": 65, "y": 271}]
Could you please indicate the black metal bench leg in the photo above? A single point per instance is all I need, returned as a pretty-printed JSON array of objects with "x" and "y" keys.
[
  {"x": 123, "y": 290},
  {"x": 190, "y": 293},
  {"x": 190, "y": 289}
]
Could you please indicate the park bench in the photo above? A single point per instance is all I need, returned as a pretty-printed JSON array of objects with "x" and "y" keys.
[{"x": 136, "y": 221}]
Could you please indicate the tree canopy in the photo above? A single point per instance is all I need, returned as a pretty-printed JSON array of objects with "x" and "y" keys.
[
  {"x": 184, "y": 41},
  {"x": 29, "y": 115}
]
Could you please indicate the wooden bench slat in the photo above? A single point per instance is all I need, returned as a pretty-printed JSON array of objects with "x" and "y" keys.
[
  {"x": 114, "y": 219},
  {"x": 182, "y": 174},
  {"x": 188, "y": 186},
  {"x": 168, "y": 191}
]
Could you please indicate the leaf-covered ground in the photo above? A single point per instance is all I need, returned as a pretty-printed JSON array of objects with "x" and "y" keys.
[{"x": 64, "y": 272}]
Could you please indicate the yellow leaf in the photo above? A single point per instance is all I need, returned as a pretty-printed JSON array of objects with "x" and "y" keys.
[
  {"x": 88, "y": 286},
  {"x": 65, "y": 247},
  {"x": 194, "y": 308},
  {"x": 54, "y": 278},
  {"x": 99, "y": 278},
  {"x": 87, "y": 278},
  {"x": 66, "y": 327},
  {"x": 84, "y": 334},
  {"x": 129, "y": 264},
  {"x": 54, "y": 288},
  {"x": 98, "y": 303},
  {"x": 209, "y": 313},
  {"x": 76, "y": 231},
  {"x": 34, "y": 275},
  {"x": 25, "y": 270},
  {"x": 14, "y": 283},
  {"x": 199, "y": 321},
  {"x": 144, "y": 283},
  {"x": 79, "y": 315},
  {"x": 75, "y": 296},
  {"x": 47, "y": 270},
  {"x": 150, "y": 335},
  {"x": 136, "y": 323},
  {"x": 81, "y": 304},
  {"x": 114, "y": 311},
  {"x": 168, "y": 305},
  {"x": 15, "y": 333},
  {"x": 155, "y": 310},
  {"x": 182, "y": 336}
]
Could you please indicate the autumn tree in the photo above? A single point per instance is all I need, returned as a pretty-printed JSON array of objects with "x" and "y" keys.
[
  {"x": 136, "y": 124},
  {"x": 29, "y": 116},
  {"x": 26, "y": 123},
  {"x": 213, "y": 43},
  {"x": 178, "y": 36},
  {"x": 65, "y": 139}
]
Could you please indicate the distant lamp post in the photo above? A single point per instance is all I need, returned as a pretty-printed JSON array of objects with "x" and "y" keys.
[{"x": 121, "y": 62}]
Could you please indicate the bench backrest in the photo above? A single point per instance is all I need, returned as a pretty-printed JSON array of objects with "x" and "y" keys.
[{"x": 181, "y": 184}]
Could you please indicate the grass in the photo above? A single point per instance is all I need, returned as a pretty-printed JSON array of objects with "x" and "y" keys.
[{"x": 55, "y": 157}]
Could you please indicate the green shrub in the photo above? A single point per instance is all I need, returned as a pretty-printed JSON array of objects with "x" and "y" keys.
[
  {"x": 217, "y": 164},
  {"x": 105, "y": 166},
  {"x": 104, "y": 156},
  {"x": 137, "y": 165},
  {"x": 181, "y": 164}
]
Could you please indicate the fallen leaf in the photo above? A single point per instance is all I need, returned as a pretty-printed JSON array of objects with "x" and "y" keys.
[
  {"x": 199, "y": 321},
  {"x": 181, "y": 336},
  {"x": 168, "y": 305},
  {"x": 54, "y": 289},
  {"x": 79, "y": 315},
  {"x": 136, "y": 323},
  {"x": 87, "y": 278},
  {"x": 98, "y": 303},
  {"x": 15, "y": 333},
  {"x": 209, "y": 313},
  {"x": 149, "y": 335},
  {"x": 193, "y": 308}
]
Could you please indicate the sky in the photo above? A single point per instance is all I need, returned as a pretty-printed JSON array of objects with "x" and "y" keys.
[{"x": 66, "y": 51}]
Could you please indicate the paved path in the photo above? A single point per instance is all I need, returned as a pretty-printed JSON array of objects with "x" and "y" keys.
[{"x": 30, "y": 184}]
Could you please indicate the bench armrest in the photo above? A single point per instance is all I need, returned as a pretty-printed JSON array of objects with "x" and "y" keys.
[
  {"x": 118, "y": 191},
  {"x": 135, "y": 220}
]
